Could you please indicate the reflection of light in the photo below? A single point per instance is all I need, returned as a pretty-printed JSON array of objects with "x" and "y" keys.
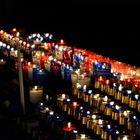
[{"x": 111, "y": 103}]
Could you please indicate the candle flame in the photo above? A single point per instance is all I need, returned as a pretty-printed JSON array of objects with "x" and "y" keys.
[
  {"x": 93, "y": 116},
  {"x": 117, "y": 107},
  {"x": 51, "y": 113},
  {"x": 111, "y": 103},
  {"x": 100, "y": 121},
  {"x": 126, "y": 112},
  {"x": 35, "y": 87},
  {"x": 69, "y": 124},
  {"x": 63, "y": 96},
  {"x": 29, "y": 63},
  {"x": 108, "y": 126},
  {"x": 34, "y": 66},
  {"x": 125, "y": 138},
  {"x": 105, "y": 98},
  {"x": 83, "y": 136}
]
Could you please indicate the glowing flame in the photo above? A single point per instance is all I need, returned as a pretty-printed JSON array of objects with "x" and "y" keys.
[{"x": 69, "y": 124}]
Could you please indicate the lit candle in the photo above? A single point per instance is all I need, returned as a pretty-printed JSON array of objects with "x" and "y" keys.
[
  {"x": 125, "y": 137},
  {"x": 124, "y": 115},
  {"x": 67, "y": 129},
  {"x": 66, "y": 103},
  {"x": 79, "y": 111},
  {"x": 131, "y": 124},
  {"x": 133, "y": 103},
  {"x": 91, "y": 121},
  {"x": 118, "y": 95},
  {"x": 85, "y": 117},
  {"x": 96, "y": 100},
  {"x": 60, "y": 99},
  {"x": 99, "y": 126},
  {"x": 113, "y": 87},
  {"x": 102, "y": 104},
  {"x": 76, "y": 88},
  {"x": 82, "y": 137},
  {"x": 72, "y": 108},
  {"x": 108, "y": 109},
  {"x": 36, "y": 94},
  {"x": 106, "y": 131},
  {"x": 116, "y": 111},
  {"x": 126, "y": 96}
]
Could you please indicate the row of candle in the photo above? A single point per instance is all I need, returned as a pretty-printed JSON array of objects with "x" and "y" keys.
[
  {"x": 108, "y": 107},
  {"x": 120, "y": 92},
  {"x": 92, "y": 120},
  {"x": 68, "y": 130},
  {"x": 39, "y": 36},
  {"x": 58, "y": 46}
]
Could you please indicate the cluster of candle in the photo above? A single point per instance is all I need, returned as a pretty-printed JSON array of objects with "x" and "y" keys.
[
  {"x": 126, "y": 93},
  {"x": 108, "y": 107},
  {"x": 78, "y": 58},
  {"x": 77, "y": 65},
  {"x": 67, "y": 129},
  {"x": 94, "y": 121}
]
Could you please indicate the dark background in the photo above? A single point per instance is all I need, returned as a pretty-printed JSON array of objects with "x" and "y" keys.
[{"x": 108, "y": 29}]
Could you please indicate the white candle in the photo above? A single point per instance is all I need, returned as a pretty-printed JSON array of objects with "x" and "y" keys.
[{"x": 36, "y": 94}]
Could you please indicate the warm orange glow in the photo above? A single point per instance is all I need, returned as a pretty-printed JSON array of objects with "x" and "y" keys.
[
  {"x": 107, "y": 82},
  {"x": 61, "y": 41}
]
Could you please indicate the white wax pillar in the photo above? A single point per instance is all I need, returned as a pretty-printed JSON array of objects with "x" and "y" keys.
[
  {"x": 22, "y": 98},
  {"x": 36, "y": 94}
]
